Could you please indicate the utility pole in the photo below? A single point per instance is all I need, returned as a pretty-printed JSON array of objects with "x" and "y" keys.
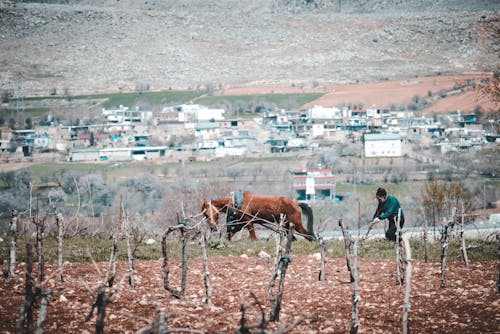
[
  {"x": 19, "y": 98},
  {"x": 484, "y": 195}
]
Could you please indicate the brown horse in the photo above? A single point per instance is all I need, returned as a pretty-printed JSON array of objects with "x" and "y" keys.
[{"x": 252, "y": 208}]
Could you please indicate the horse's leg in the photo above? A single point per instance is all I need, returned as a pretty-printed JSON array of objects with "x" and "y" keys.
[{"x": 251, "y": 230}]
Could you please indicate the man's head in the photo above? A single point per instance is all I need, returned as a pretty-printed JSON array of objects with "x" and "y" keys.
[{"x": 381, "y": 194}]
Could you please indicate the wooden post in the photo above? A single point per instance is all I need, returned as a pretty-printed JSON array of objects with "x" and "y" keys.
[
  {"x": 60, "y": 237},
  {"x": 280, "y": 271},
  {"x": 462, "y": 239},
  {"x": 279, "y": 240},
  {"x": 159, "y": 325},
  {"x": 184, "y": 261},
  {"x": 13, "y": 243},
  {"x": 444, "y": 250},
  {"x": 347, "y": 244},
  {"x": 25, "y": 319},
  {"x": 40, "y": 236},
  {"x": 114, "y": 249},
  {"x": 408, "y": 272},
  {"x": 129, "y": 250},
  {"x": 355, "y": 294},
  {"x": 426, "y": 239},
  {"x": 101, "y": 301},
  {"x": 112, "y": 259},
  {"x": 498, "y": 278},
  {"x": 176, "y": 293},
  {"x": 397, "y": 243},
  {"x": 206, "y": 277},
  {"x": 322, "y": 265},
  {"x": 42, "y": 313},
  {"x": 101, "y": 310},
  {"x": 166, "y": 269}
]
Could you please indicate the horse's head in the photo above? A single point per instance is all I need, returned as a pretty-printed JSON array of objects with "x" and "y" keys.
[{"x": 211, "y": 213}]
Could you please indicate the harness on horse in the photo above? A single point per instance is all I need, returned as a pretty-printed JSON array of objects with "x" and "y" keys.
[{"x": 231, "y": 217}]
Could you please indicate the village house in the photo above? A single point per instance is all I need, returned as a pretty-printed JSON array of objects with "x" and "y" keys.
[
  {"x": 117, "y": 153},
  {"x": 6, "y": 135},
  {"x": 122, "y": 115},
  {"x": 189, "y": 113},
  {"x": 206, "y": 131},
  {"x": 382, "y": 145},
  {"x": 311, "y": 184}
]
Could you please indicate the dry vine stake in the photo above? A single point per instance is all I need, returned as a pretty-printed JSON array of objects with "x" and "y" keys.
[
  {"x": 158, "y": 326},
  {"x": 463, "y": 248},
  {"x": 40, "y": 236},
  {"x": 281, "y": 269},
  {"x": 426, "y": 240},
  {"x": 26, "y": 314},
  {"x": 112, "y": 256},
  {"x": 321, "y": 275},
  {"x": 60, "y": 237},
  {"x": 102, "y": 298},
  {"x": 498, "y": 278},
  {"x": 399, "y": 255},
  {"x": 166, "y": 269},
  {"x": 406, "y": 304},
  {"x": 446, "y": 229},
  {"x": 353, "y": 272},
  {"x": 206, "y": 276},
  {"x": 11, "y": 271},
  {"x": 244, "y": 326},
  {"x": 114, "y": 247},
  {"x": 355, "y": 294},
  {"x": 130, "y": 256},
  {"x": 347, "y": 244},
  {"x": 25, "y": 322}
]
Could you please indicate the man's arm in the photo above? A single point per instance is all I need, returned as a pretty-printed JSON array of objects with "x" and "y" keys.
[
  {"x": 392, "y": 205},
  {"x": 379, "y": 210}
]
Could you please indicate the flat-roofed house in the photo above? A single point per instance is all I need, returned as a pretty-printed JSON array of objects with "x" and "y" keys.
[{"x": 382, "y": 145}]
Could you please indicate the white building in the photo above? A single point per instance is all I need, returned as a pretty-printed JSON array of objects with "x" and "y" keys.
[
  {"x": 320, "y": 112},
  {"x": 117, "y": 153},
  {"x": 195, "y": 113},
  {"x": 382, "y": 145},
  {"x": 123, "y": 115}
]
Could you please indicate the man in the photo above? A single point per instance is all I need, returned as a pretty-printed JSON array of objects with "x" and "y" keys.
[{"x": 388, "y": 208}]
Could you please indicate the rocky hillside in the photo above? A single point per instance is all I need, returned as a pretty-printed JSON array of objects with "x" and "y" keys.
[{"x": 123, "y": 45}]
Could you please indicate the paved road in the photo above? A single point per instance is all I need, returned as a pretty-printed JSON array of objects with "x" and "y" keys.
[{"x": 479, "y": 231}]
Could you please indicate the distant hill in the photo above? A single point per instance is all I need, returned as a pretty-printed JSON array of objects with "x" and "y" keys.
[{"x": 125, "y": 45}]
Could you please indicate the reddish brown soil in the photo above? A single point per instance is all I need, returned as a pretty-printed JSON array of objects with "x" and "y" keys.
[
  {"x": 469, "y": 303},
  {"x": 383, "y": 94}
]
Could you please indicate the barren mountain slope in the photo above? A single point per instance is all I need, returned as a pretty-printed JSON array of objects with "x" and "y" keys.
[{"x": 105, "y": 46}]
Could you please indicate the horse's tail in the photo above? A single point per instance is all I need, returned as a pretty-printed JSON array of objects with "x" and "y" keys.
[{"x": 307, "y": 210}]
